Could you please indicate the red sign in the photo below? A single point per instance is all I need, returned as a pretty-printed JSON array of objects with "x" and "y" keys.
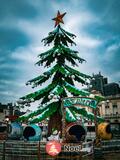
[
  {"x": 53, "y": 148},
  {"x": 12, "y": 118}
]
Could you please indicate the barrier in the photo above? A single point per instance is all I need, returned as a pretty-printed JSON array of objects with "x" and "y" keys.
[
  {"x": 21, "y": 150},
  {"x": 111, "y": 146},
  {"x": 1, "y": 149}
]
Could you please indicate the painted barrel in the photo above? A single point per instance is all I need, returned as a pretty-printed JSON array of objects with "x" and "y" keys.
[
  {"x": 3, "y": 132},
  {"x": 3, "y": 128},
  {"x": 32, "y": 133},
  {"x": 15, "y": 131},
  {"x": 104, "y": 131},
  {"x": 75, "y": 133}
]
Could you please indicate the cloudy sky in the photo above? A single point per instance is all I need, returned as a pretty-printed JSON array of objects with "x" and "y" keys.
[{"x": 23, "y": 24}]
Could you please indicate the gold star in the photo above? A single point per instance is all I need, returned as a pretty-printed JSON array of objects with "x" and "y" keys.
[{"x": 59, "y": 18}]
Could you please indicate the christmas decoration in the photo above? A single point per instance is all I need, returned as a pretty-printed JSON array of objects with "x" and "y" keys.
[
  {"x": 92, "y": 96},
  {"x": 72, "y": 76},
  {"x": 104, "y": 131},
  {"x": 62, "y": 77},
  {"x": 49, "y": 97},
  {"x": 53, "y": 148},
  {"x": 59, "y": 18}
]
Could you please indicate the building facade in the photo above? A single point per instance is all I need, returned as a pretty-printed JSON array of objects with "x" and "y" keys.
[
  {"x": 6, "y": 110},
  {"x": 110, "y": 111},
  {"x": 110, "y": 108},
  {"x": 100, "y": 83}
]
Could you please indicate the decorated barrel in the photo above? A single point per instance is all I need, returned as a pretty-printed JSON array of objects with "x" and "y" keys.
[
  {"x": 3, "y": 132},
  {"x": 104, "y": 131},
  {"x": 75, "y": 133},
  {"x": 15, "y": 131},
  {"x": 32, "y": 133}
]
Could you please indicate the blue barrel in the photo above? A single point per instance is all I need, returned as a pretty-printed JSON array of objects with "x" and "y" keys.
[
  {"x": 32, "y": 133},
  {"x": 15, "y": 131}
]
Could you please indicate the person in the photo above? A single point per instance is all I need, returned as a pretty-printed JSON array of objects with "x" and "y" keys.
[{"x": 55, "y": 136}]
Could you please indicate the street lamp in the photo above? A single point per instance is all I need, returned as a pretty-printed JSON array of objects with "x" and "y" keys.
[
  {"x": 7, "y": 122},
  {"x": 107, "y": 101},
  {"x": 107, "y": 106}
]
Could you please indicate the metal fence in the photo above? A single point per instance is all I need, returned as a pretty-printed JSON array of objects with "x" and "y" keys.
[
  {"x": 20, "y": 150},
  {"x": 111, "y": 146},
  {"x": 14, "y": 150}
]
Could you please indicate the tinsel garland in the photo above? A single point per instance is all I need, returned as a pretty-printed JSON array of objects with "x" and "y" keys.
[
  {"x": 72, "y": 89},
  {"x": 86, "y": 114},
  {"x": 52, "y": 106}
]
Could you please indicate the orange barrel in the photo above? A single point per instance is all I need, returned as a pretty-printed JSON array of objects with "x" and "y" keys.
[{"x": 104, "y": 131}]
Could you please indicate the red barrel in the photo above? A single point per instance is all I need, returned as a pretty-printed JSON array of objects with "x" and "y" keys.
[{"x": 75, "y": 133}]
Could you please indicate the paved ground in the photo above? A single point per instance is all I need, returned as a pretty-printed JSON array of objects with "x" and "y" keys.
[{"x": 110, "y": 156}]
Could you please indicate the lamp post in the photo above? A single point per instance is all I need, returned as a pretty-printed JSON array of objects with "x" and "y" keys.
[
  {"x": 107, "y": 106},
  {"x": 7, "y": 122}
]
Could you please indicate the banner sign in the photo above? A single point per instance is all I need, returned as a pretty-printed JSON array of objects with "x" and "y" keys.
[
  {"x": 84, "y": 101},
  {"x": 53, "y": 148},
  {"x": 72, "y": 148}
]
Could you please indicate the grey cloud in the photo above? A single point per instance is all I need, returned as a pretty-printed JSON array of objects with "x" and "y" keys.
[
  {"x": 13, "y": 13},
  {"x": 10, "y": 38},
  {"x": 16, "y": 8}
]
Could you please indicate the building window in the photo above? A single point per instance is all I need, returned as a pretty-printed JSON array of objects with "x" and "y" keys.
[
  {"x": 116, "y": 121},
  {"x": 106, "y": 107},
  {"x": 107, "y": 110},
  {"x": 1, "y": 110},
  {"x": 114, "y": 106},
  {"x": 115, "y": 109}
]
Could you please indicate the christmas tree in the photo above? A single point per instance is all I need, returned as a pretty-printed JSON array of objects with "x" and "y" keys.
[{"x": 63, "y": 80}]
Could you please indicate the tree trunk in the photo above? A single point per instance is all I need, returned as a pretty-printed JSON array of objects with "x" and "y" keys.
[{"x": 55, "y": 122}]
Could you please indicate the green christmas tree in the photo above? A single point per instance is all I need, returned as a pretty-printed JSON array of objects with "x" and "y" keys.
[{"x": 63, "y": 80}]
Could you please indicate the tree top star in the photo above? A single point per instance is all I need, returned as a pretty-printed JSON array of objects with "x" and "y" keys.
[{"x": 59, "y": 18}]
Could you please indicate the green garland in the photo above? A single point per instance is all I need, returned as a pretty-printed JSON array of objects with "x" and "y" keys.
[
  {"x": 74, "y": 90},
  {"x": 52, "y": 106}
]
